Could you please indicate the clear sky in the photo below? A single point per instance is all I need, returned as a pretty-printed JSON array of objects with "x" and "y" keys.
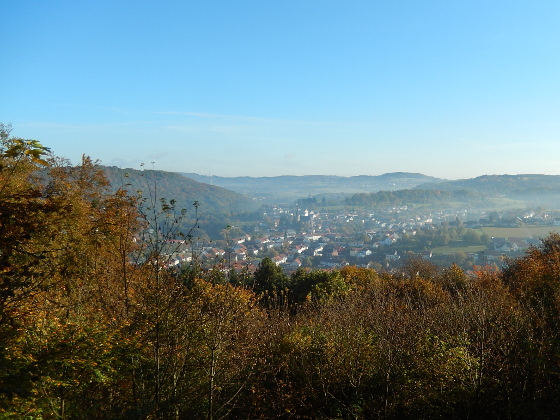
[{"x": 453, "y": 89}]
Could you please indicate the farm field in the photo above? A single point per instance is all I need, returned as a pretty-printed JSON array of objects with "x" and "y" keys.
[
  {"x": 452, "y": 249},
  {"x": 534, "y": 232},
  {"x": 521, "y": 232}
]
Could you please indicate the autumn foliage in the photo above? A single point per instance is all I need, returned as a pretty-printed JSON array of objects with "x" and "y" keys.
[{"x": 93, "y": 324}]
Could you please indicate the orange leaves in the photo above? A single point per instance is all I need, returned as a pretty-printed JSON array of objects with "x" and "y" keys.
[
  {"x": 362, "y": 277},
  {"x": 536, "y": 276},
  {"x": 223, "y": 307}
]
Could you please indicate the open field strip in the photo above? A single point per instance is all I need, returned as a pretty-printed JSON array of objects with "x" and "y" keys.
[{"x": 520, "y": 232}]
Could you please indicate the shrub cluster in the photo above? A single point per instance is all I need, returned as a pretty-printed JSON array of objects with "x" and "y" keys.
[{"x": 94, "y": 325}]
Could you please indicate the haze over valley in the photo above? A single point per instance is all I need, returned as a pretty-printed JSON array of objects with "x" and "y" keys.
[{"x": 280, "y": 210}]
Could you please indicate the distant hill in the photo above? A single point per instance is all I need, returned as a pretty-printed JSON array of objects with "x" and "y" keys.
[
  {"x": 212, "y": 199},
  {"x": 289, "y": 187},
  {"x": 500, "y": 185},
  {"x": 384, "y": 199}
]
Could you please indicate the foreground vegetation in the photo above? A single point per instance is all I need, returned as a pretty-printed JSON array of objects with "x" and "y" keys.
[{"x": 95, "y": 325}]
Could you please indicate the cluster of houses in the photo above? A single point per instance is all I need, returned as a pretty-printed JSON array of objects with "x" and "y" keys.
[{"x": 323, "y": 243}]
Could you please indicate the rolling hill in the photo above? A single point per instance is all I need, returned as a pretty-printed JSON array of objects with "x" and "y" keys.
[
  {"x": 211, "y": 199},
  {"x": 501, "y": 185},
  {"x": 290, "y": 188}
]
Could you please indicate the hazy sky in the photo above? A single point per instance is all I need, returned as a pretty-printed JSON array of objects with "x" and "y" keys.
[{"x": 453, "y": 89}]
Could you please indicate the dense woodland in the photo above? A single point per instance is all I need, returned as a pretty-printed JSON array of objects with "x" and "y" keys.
[
  {"x": 383, "y": 199},
  {"x": 95, "y": 325}
]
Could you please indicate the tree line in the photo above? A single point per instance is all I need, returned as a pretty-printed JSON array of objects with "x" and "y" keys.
[
  {"x": 383, "y": 199},
  {"x": 95, "y": 324}
]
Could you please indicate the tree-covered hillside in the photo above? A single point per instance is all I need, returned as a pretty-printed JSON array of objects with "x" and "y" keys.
[
  {"x": 290, "y": 188},
  {"x": 211, "y": 199},
  {"x": 97, "y": 322},
  {"x": 498, "y": 184},
  {"x": 384, "y": 199}
]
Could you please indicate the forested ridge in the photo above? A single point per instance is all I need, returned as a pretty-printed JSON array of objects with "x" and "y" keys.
[
  {"x": 290, "y": 187},
  {"x": 185, "y": 190},
  {"x": 497, "y": 184},
  {"x": 382, "y": 199},
  {"x": 95, "y": 325}
]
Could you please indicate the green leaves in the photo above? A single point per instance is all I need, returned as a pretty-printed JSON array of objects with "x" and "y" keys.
[{"x": 26, "y": 148}]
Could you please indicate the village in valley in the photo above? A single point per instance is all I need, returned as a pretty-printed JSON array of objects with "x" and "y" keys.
[{"x": 295, "y": 237}]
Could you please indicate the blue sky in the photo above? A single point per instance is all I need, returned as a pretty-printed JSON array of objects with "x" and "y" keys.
[{"x": 453, "y": 89}]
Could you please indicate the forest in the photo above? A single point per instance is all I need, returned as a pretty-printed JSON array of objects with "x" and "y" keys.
[
  {"x": 96, "y": 324},
  {"x": 383, "y": 199}
]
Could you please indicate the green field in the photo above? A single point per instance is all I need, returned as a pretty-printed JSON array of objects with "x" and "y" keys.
[
  {"x": 466, "y": 249},
  {"x": 535, "y": 232},
  {"x": 520, "y": 232}
]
